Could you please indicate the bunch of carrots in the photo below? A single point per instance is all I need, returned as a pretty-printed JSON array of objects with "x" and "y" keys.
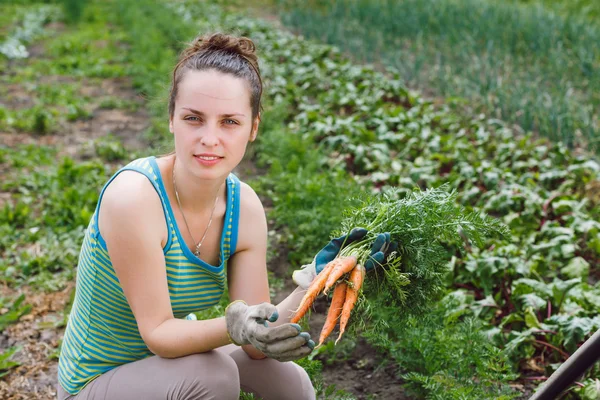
[
  {"x": 409, "y": 279},
  {"x": 344, "y": 296}
]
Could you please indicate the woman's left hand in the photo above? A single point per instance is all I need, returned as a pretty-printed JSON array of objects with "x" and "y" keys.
[{"x": 304, "y": 276}]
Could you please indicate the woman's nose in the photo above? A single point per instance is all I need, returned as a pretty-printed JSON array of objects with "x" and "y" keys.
[{"x": 209, "y": 137}]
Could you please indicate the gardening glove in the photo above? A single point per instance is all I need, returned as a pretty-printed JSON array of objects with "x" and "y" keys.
[
  {"x": 382, "y": 246},
  {"x": 248, "y": 325},
  {"x": 304, "y": 276}
]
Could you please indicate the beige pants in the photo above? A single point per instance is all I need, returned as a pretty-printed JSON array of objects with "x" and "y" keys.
[{"x": 218, "y": 374}]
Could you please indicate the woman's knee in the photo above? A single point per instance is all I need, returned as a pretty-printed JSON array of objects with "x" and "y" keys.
[
  {"x": 214, "y": 373},
  {"x": 270, "y": 380},
  {"x": 307, "y": 388}
]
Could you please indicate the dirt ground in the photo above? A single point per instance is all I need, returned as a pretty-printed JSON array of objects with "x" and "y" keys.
[{"x": 38, "y": 339}]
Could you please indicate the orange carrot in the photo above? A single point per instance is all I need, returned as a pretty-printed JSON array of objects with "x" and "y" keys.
[
  {"x": 346, "y": 264},
  {"x": 356, "y": 280},
  {"x": 337, "y": 301},
  {"x": 313, "y": 291}
]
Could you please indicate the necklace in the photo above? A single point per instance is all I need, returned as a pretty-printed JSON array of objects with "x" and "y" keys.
[{"x": 196, "y": 244}]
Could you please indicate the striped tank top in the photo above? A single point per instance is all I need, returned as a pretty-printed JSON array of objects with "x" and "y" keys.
[{"x": 102, "y": 332}]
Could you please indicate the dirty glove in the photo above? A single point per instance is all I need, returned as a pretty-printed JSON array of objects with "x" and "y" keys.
[
  {"x": 304, "y": 277},
  {"x": 248, "y": 325}
]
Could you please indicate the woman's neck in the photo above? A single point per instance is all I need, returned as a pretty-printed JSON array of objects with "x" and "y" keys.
[{"x": 195, "y": 195}]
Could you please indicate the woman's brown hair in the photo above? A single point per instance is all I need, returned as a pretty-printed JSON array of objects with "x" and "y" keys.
[{"x": 224, "y": 53}]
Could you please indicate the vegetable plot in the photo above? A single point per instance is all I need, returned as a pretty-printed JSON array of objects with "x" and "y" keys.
[{"x": 420, "y": 225}]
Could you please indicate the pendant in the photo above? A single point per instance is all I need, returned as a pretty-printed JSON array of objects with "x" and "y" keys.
[{"x": 197, "y": 251}]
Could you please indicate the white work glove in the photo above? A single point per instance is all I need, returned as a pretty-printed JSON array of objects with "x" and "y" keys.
[
  {"x": 304, "y": 276},
  {"x": 248, "y": 325}
]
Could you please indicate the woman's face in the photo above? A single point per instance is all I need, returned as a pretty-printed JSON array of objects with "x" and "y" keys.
[{"x": 212, "y": 123}]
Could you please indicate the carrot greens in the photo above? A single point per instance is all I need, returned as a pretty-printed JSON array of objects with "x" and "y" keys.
[{"x": 421, "y": 224}]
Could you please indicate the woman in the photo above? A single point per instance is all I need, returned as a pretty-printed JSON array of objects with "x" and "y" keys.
[{"x": 155, "y": 251}]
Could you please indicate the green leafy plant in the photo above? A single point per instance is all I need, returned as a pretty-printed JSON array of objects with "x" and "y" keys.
[
  {"x": 73, "y": 9},
  {"x": 5, "y": 363},
  {"x": 444, "y": 352},
  {"x": 110, "y": 149},
  {"x": 15, "y": 311}
]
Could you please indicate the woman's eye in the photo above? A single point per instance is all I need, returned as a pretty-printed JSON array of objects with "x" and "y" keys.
[
  {"x": 192, "y": 118},
  {"x": 230, "y": 122}
]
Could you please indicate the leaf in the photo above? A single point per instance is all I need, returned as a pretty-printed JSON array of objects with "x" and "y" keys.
[
  {"x": 530, "y": 319},
  {"x": 532, "y": 300},
  {"x": 561, "y": 288},
  {"x": 594, "y": 244},
  {"x": 574, "y": 329},
  {"x": 5, "y": 364},
  {"x": 593, "y": 297},
  {"x": 591, "y": 390},
  {"x": 568, "y": 250},
  {"x": 519, "y": 346},
  {"x": 14, "y": 313},
  {"x": 526, "y": 285},
  {"x": 577, "y": 268},
  {"x": 510, "y": 318}
]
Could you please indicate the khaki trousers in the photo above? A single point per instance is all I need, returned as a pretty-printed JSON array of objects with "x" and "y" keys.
[{"x": 217, "y": 374}]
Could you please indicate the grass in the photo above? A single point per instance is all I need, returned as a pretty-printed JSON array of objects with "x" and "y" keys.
[
  {"x": 572, "y": 8},
  {"x": 520, "y": 63},
  {"x": 73, "y": 10}
]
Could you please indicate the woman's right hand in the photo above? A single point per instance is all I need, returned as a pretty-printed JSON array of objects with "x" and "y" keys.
[{"x": 248, "y": 325}]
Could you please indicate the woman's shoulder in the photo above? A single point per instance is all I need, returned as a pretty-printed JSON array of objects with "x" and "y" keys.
[
  {"x": 130, "y": 207},
  {"x": 130, "y": 196},
  {"x": 253, "y": 221},
  {"x": 249, "y": 198},
  {"x": 128, "y": 187}
]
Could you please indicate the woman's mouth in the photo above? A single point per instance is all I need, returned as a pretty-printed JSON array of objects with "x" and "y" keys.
[{"x": 208, "y": 159}]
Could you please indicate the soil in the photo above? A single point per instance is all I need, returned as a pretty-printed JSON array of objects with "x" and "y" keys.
[
  {"x": 365, "y": 373},
  {"x": 75, "y": 139},
  {"x": 38, "y": 338}
]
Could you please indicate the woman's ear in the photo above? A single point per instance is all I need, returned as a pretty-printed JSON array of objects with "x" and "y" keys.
[
  {"x": 171, "y": 124},
  {"x": 254, "y": 132}
]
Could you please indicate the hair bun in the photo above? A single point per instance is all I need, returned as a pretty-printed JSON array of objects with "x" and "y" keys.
[{"x": 220, "y": 41}]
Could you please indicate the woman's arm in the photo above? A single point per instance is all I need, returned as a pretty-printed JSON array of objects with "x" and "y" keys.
[
  {"x": 247, "y": 276},
  {"x": 247, "y": 272},
  {"x": 289, "y": 305},
  {"x": 132, "y": 223},
  {"x": 247, "y": 268}
]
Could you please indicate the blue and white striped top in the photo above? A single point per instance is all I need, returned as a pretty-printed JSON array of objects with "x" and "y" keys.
[{"x": 102, "y": 332}]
